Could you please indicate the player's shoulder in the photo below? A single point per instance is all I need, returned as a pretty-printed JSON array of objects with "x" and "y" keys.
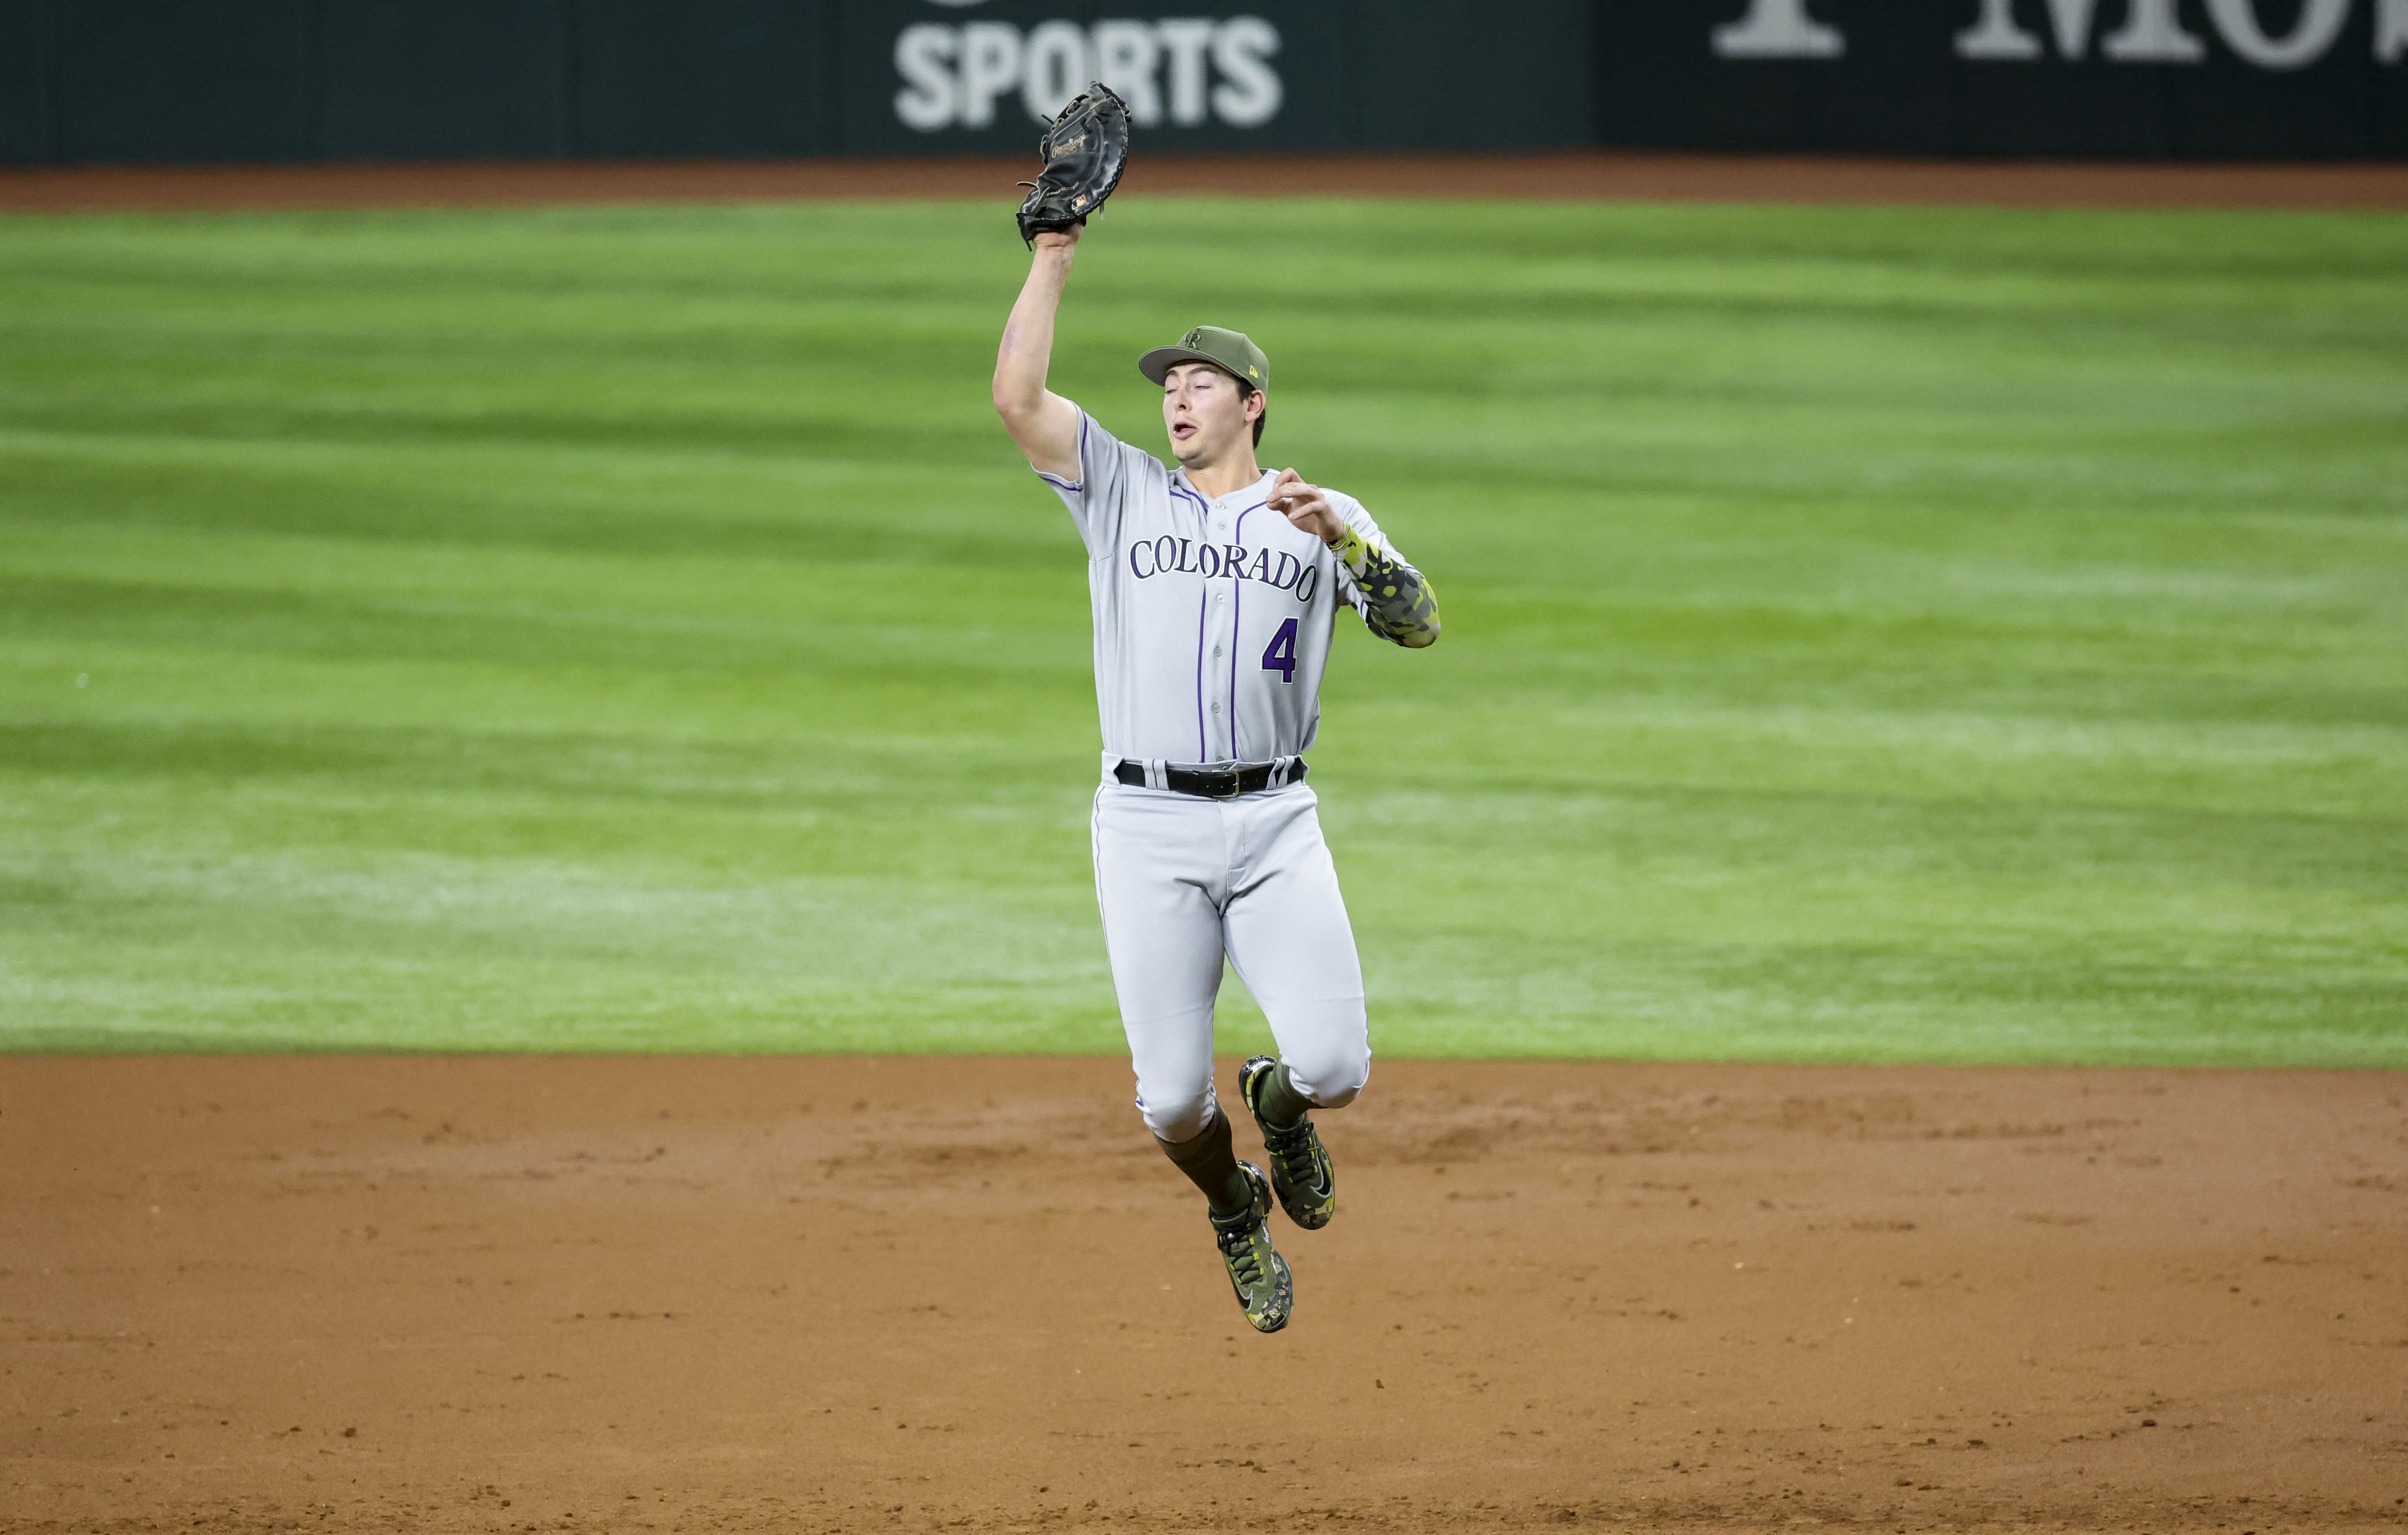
[{"x": 1096, "y": 439}]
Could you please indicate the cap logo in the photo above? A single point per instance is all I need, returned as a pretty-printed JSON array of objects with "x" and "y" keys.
[{"x": 1251, "y": 373}]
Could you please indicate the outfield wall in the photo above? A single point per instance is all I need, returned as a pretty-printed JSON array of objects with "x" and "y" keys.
[{"x": 281, "y": 81}]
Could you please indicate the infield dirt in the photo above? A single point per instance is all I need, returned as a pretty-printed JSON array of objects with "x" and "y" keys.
[{"x": 631, "y": 1294}]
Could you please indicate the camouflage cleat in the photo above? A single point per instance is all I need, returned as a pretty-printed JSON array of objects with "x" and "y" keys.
[
  {"x": 1301, "y": 1171},
  {"x": 1256, "y": 1272}
]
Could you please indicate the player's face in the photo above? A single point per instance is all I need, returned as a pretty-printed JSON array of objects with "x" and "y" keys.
[{"x": 1206, "y": 414}]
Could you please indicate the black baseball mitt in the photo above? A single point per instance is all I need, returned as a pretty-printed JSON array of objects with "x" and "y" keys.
[{"x": 1086, "y": 150}]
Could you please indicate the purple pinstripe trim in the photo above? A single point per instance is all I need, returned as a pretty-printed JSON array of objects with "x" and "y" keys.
[
  {"x": 1237, "y": 616},
  {"x": 1080, "y": 487}
]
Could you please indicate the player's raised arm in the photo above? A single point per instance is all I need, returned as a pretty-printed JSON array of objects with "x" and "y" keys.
[
  {"x": 1044, "y": 424},
  {"x": 1084, "y": 151}
]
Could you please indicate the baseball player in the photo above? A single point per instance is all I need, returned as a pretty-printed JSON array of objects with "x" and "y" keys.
[{"x": 1214, "y": 585}]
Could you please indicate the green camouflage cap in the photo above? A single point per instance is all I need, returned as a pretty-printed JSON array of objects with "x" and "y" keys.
[{"x": 1230, "y": 351}]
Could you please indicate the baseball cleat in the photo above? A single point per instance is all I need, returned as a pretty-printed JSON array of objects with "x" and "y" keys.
[
  {"x": 1256, "y": 1272},
  {"x": 1301, "y": 1171}
]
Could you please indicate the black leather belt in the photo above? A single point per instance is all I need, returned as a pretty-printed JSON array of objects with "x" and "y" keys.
[{"x": 1210, "y": 783}]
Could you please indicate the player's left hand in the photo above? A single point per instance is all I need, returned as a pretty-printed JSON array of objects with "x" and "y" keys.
[{"x": 1305, "y": 506}]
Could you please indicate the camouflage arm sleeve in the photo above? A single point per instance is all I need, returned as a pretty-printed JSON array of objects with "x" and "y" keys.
[{"x": 1398, "y": 603}]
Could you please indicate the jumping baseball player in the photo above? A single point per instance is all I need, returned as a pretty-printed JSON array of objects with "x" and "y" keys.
[{"x": 1214, "y": 585}]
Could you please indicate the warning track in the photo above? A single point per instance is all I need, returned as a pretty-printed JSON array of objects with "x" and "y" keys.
[{"x": 1580, "y": 175}]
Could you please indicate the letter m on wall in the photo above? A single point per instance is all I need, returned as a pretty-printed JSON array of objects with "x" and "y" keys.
[{"x": 1778, "y": 29}]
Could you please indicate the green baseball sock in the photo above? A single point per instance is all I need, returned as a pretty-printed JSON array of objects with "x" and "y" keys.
[
  {"x": 1281, "y": 1106},
  {"x": 1212, "y": 1166}
]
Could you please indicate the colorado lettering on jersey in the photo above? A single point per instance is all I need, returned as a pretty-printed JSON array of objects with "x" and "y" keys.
[{"x": 1169, "y": 554}]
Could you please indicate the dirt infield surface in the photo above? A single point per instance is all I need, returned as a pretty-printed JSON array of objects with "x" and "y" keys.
[
  {"x": 1587, "y": 176},
  {"x": 624, "y": 1295}
]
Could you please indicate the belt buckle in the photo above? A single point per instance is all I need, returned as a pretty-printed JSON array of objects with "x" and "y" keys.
[{"x": 1216, "y": 776}]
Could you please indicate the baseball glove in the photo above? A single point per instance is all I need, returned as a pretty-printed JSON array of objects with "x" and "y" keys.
[{"x": 1086, "y": 150}]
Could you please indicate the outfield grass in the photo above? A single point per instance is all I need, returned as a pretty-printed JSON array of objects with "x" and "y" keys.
[{"x": 1937, "y": 634}]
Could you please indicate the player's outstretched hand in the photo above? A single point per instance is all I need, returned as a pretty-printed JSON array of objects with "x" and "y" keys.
[
  {"x": 1057, "y": 239},
  {"x": 1305, "y": 506}
]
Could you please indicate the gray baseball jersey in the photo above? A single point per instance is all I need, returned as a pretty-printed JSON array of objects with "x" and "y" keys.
[{"x": 1213, "y": 617}]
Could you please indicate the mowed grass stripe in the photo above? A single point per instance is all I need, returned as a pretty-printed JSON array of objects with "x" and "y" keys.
[{"x": 1873, "y": 634}]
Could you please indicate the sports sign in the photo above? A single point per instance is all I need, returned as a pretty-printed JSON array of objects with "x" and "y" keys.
[
  {"x": 985, "y": 75},
  {"x": 1178, "y": 71}
]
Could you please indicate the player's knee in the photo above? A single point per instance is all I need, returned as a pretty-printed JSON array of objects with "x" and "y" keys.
[
  {"x": 1176, "y": 1117},
  {"x": 1331, "y": 1076}
]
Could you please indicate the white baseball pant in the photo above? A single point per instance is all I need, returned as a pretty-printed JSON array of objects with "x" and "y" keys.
[{"x": 1184, "y": 880}]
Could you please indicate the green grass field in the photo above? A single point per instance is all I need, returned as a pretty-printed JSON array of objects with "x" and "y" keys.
[{"x": 1871, "y": 633}]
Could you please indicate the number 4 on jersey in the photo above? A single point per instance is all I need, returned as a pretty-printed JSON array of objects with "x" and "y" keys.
[{"x": 1281, "y": 655}]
